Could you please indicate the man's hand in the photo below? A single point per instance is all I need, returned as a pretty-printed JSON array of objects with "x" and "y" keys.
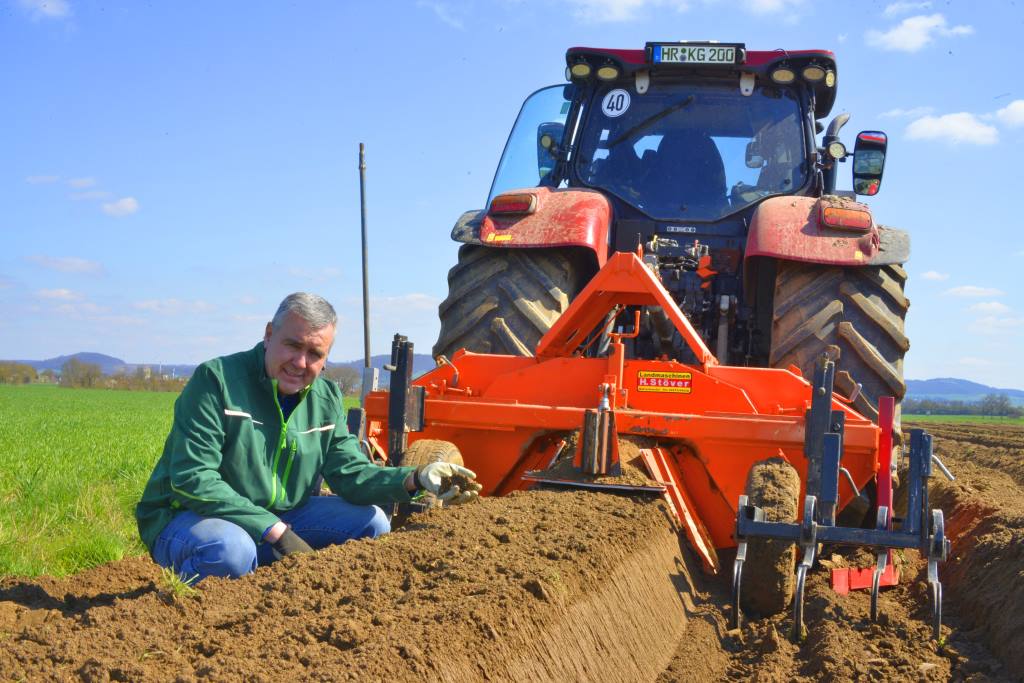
[
  {"x": 290, "y": 543},
  {"x": 452, "y": 484}
]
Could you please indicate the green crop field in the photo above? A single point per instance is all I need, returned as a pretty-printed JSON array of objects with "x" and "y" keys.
[
  {"x": 964, "y": 419},
  {"x": 73, "y": 463}
]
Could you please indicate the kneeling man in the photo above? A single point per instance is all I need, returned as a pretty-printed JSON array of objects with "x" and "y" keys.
[{"x": 252, "y": 433}]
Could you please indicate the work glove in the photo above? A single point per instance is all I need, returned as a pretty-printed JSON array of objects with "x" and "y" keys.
[
  {"x": 290, "y": 543},
  {"x": 451, "y": 484}
]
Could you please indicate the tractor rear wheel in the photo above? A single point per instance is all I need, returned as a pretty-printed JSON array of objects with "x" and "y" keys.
[
  {"x": 774, "y": 486},
  {"x": 504, "y": 300},
  {"x": 853, "y": 314}
]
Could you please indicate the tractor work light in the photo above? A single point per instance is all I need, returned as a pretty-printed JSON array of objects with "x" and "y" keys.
[
  {"x": 837, "y": 150},
  {"x": 813, "y": 73},
  {"x": 783, "y": 75},
  {"x": 830, "y": 79},
  {"x": 848, "y": 219},
  {"x": 608, "y": 72},
  {"x": 513, "y": 204},
  {"x": 580, "y": 70}
]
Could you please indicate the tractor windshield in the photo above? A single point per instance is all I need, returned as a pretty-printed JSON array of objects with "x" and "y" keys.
[{"x": 695, "y": 151}]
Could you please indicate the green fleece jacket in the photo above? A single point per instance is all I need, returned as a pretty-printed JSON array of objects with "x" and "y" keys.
[{"x": 231, "y": 454}]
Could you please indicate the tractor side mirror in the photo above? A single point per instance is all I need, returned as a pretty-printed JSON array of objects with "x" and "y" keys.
[
  {"x": 754, "y": 156},
  {"x": 869, "y": 162},
  {"x": 549, "y": 139}
]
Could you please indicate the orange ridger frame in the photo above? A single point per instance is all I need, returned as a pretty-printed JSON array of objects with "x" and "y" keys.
[{"x": 507, "y": 414}]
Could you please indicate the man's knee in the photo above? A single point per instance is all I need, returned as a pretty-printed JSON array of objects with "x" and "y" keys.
[
  {"x": 228, "y": 552},
  {"x": 379, "y": 523}
]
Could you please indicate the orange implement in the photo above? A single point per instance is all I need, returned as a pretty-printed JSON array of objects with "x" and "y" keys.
[{"x": 711, "y": 422}]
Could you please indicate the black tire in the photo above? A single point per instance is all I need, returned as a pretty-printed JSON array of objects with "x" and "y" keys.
[
  {"x": 768, "y": 581},
  {"x": 504, "y": 300},
  {"x": 855, "y": 315},
  {"x": 426, "y": 451}
]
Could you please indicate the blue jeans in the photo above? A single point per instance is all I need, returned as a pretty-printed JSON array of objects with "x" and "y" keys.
[{"x": 209, "y": 546}]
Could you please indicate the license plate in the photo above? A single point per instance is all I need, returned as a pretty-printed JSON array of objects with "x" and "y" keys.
[{"x": 693, "y": 54}]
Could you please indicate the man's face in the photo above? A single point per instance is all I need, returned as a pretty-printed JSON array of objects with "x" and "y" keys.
[{"x": 296, "y": 353}]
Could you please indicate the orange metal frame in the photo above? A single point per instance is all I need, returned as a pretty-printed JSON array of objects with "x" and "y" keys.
[{"x": 507, "y": 414}]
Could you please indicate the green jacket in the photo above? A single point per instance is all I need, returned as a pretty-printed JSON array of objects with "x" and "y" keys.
[{"x": 231, "y": 454}]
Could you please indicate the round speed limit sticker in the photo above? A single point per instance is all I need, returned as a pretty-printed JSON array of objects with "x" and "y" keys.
[{"x": 615, "y": 103}]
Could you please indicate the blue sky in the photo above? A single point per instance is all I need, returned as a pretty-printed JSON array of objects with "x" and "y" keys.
[{"x": 171, "y": 170}]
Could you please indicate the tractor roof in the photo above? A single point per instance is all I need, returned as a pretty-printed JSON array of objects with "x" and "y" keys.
[{"x": 761, "y": 63}]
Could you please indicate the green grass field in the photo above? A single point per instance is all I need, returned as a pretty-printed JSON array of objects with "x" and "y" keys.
[
  {"x": 73, "y": 463},
  {"x": 964, "y": 419}
]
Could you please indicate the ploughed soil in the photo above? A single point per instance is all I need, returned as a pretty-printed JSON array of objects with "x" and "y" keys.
[{"x": 545, "y": 585}]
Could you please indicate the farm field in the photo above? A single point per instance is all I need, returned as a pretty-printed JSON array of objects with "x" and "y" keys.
[
  {"x": 74, "y": 462},
  {"x": 962, "y": 419},
  {"x": 541, "y": 586}
]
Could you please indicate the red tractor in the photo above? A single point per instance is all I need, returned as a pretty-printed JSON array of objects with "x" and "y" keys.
[{"x": 707, "y": 156}]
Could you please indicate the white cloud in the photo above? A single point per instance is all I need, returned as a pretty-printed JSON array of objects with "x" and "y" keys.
[
  {"x": 608, "y": 11},
  {"x": 972, "y": 362},
  {"x": 892, "y": 9},
  {"x": 46, "y": 9},
  {"x": 1012, "y": 114},
  {"x": 89, "y": 195},
  {"x": 841, "y": 38},
  {"x": 914, "y": 33},
  {"x": 973, "y": 291},
  {"x": 67, "y": 264},
  {"x": 990, "y": 307},
  {"x": 173, "y": 306},
  {"x": 41, "y": 179},
  {"x": 934, "y": 275},
  {"x": 443, "y": 11},
  {"x": 906, "y": 113},
  {"x": 81, "y": 183},
  {"x": 247, "y": 300},
  {"x": 58, "y": 294},
  {"x": 406, "y": 302},
  {"x": 771, "y": 6},
  {"x": 122, "y": 207},
  {"x": 953, "y": 129},
  {"x": 996, "y": 325}
]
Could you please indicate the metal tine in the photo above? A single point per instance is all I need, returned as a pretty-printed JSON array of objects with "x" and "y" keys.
[
  {"x": 881, "y": 523},
  {"x": 938, "y": 550},
  {"x": 809, "y": 543},
  {"x": 737, "y": 565}
]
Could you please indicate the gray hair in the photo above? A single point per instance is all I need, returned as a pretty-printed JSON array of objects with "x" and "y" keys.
[{"x": 314, "y": 309}]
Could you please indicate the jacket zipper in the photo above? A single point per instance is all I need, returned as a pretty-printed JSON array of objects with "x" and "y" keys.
[{"x": 282, "y": 443}]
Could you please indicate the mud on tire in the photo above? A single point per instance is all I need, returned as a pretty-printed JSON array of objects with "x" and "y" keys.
[
  {"x": 774, "y": 486},
  {"x": 855, "y": 315},
  {"x": 504, "y": 300}
]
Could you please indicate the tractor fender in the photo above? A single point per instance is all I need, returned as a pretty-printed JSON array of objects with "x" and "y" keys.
[
  {"x": 560, "y": 218},
  {"x": 791, "y": 229}
]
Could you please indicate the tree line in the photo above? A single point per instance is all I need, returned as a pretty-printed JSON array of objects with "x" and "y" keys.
[
  {"x": 78, "y": 374},
  {"x": 994, "y": 405}
]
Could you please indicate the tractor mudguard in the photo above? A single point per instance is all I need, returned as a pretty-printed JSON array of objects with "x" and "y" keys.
[
  {"x": 556, "y": 218},
  {"x": 793, "y": 229}
]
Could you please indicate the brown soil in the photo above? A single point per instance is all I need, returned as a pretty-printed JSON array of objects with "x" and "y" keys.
[
  {"x": 464, "y": 483},
  {"x": 547, "y": 585}
]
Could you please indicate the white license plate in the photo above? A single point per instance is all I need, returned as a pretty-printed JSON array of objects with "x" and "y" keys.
[{"x": 693, "y": 54}]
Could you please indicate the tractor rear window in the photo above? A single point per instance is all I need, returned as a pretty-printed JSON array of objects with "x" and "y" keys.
[{"x": 693, "y": 151}]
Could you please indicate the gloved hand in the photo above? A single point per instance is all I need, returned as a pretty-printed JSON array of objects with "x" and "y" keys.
[
  {"x": 290, "y": 543},
  {"x": 452, "y": 484}
]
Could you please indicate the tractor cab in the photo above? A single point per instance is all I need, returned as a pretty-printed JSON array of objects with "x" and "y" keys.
[{"x": 680, "y": 134}]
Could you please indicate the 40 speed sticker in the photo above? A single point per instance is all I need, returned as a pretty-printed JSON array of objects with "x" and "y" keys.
[{"x": 665, "y": 382}]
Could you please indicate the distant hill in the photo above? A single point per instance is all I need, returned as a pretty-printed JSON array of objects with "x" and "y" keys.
[
  {"x": 108, "y": 364},
  {"x": 421, "y": 362},
  {"x": 952, "y": 389}
]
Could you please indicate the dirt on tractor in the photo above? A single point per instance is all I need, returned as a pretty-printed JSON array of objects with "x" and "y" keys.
[{"x": 545, "y": 585}]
